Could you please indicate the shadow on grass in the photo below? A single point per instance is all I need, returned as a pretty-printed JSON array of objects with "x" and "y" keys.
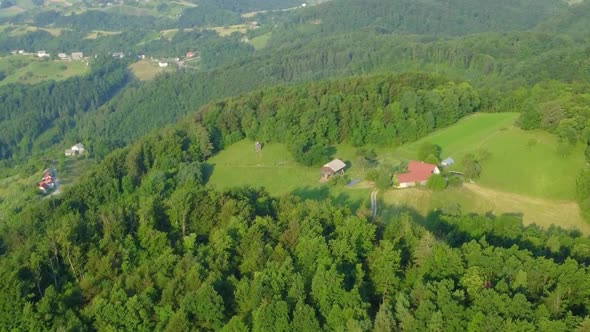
[
  {"x": 207, "y": 170},
  {"x": 505, "y": 231},
  {"x": 323, "y": 193}
]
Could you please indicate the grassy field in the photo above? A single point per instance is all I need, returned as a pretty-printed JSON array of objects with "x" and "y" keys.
[
  {"x": 474, "y": 198},
  {"x": 101, "y": 33},
  {"x": 275, "y": 170},
  {"x": 29, "y": 70},
  {"x": 146, "y": 70},
  {"x": 228, "y": 30},
  {"x": 522, "y": 162},
  {"x": 11, "y": 11},
  {"x": 514, "y": 179},
  {"x": 17, "y": 30},
  {"x": 260, "y": 41}
]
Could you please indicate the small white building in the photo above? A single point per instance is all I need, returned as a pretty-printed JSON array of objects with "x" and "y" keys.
[
  {"x": 77, "y": 55},
  {"x": 162, "y": 64},
  {"x": 75, "y": 150},
  {"x": 42, "y": 54},
  {"x": 62, "y": 56}
]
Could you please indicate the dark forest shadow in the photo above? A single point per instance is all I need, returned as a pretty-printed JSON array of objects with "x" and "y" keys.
[{"x": 207, "y": 170}]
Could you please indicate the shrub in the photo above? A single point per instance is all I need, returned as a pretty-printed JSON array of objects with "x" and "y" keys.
[{"x": 436, "y": 182}]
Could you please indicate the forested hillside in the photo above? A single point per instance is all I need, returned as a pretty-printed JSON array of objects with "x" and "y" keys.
[
  {"x": 429, "y": 17},
  {"x": 384, "y": 110},
  {"x": 35, "y": 118},
  {"x": 141, "y": 244},
  {"x": 498, "y": 63}
]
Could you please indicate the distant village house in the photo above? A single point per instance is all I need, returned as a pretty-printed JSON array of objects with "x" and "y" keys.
[
  {"x": 417, "y": 174},
  {"x": 42, "y": 54},
  {"x": 77, "y": 55},
  {"x": 75, "y": 150},
  {"x": 258, "y": 146},
  {"x": 189, "y": 54},
  {"x": 332, "y": 168},
  {"x": 47, "y": 182},
  {"x": 163, "y": 64}
]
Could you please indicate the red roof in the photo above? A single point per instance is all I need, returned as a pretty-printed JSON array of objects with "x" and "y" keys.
[{"x": 417, "y": 172}]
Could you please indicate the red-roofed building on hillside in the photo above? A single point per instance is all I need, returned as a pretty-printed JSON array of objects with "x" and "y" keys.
[{"x": 418, "y": 173}]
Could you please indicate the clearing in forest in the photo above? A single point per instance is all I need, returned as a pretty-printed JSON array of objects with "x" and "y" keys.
[
  {"x": 145, "y": 70},
  {"x": 274, "y": 169},
  {"x": 30, "y": 70},
  {"x": 524, "y": 174},
  {"x": 260, "y": 42},
  {"x": 522, "y": 162}
]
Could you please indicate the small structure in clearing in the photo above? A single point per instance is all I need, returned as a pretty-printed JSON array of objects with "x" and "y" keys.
[
  {"x": 77, "y": 56},
  {"x": 163, "y": 64},
  {"x": 447, "y": 162},
  {"x": 332, "y": 168},
  {"x": 76, "y": 149},
  {"x": 418, "y": 173},
  {"x": 258, "y": 146}
]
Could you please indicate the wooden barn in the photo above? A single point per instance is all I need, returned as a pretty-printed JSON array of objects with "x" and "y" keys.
[{"x": 332, "y": 168}]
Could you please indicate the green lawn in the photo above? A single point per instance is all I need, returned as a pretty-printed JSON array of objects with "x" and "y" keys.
[
  {"x": 523, "y": 162},
  {"x": 260, "y": 41},
  {"x": 519, "y": 177},
  {"x": 275, "y": 170},
  {"x": 29, "y": 70}
]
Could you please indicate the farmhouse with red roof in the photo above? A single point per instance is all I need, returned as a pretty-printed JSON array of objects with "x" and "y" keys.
[{"x": 418, "y": 173}]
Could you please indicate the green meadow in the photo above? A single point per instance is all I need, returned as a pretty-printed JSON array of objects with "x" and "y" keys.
[
  {"x": 260, "y": 42},
  {"x": 523, "y": 162},
  {"x": 30, "y": 70},
  {"x": 524, "y": 173},
  {"x": 274, "y": 169}
]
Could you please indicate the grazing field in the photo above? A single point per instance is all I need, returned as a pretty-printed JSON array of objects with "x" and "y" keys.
[
  {"x": 228, "y": 30},
  {"x": 30, "y": 70},
  {"x": 519, "y": 177},
  {"x": 145, "y": 70},
  {"x": 260, "y": 41},
  {"x": 274, "y": 169},
  {"x": 522, "y": 162},
  {"x": 11, "y": 11},
  {"x": 101, "y": 33},
  {"x": 473, "y": 198}
]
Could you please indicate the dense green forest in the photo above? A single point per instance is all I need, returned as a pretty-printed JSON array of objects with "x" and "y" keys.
[
  {"x": 497, "y": 65},
  {"x": 428, "y": 17},
  {"x": 140, "y": 244}
]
